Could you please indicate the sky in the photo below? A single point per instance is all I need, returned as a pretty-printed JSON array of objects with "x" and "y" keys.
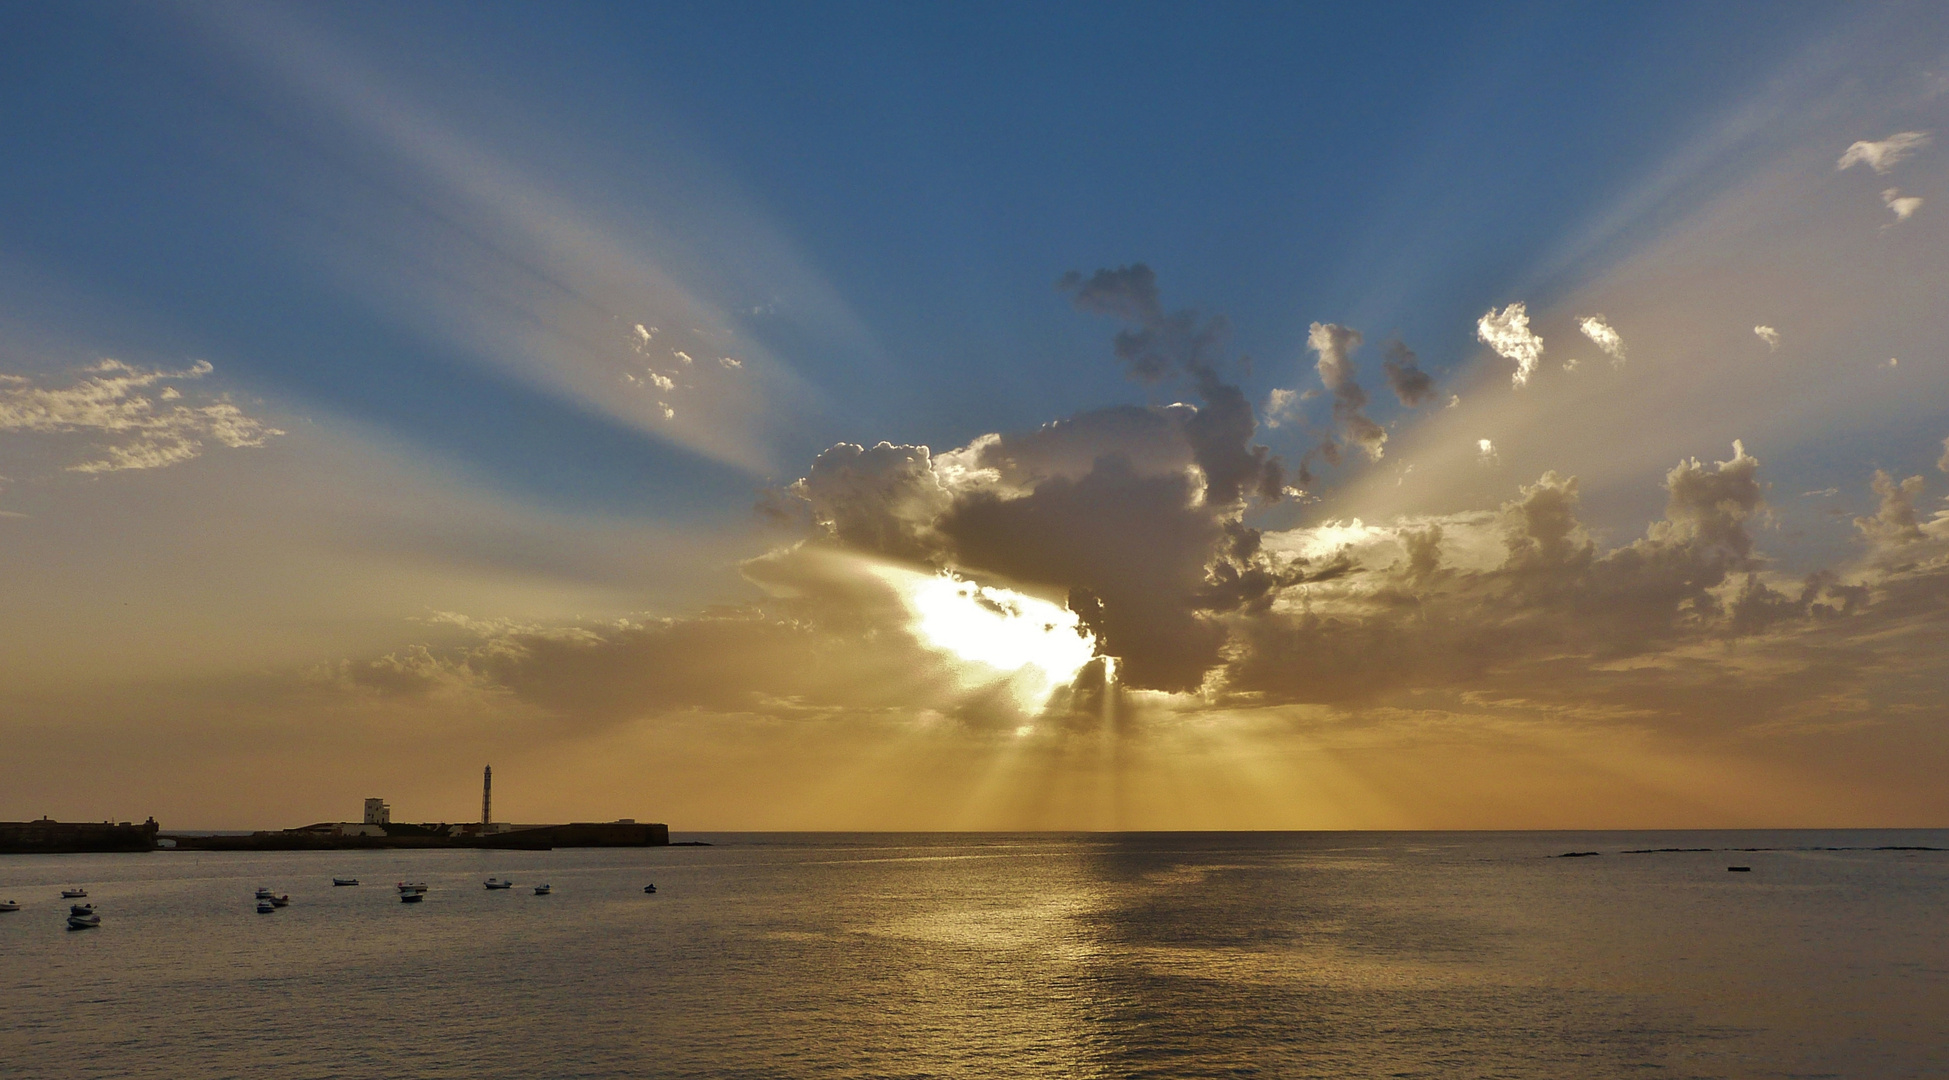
[{"x": 886, "y": 417}]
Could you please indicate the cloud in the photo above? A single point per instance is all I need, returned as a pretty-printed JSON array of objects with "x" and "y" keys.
[
  {"x": 1769, "y": 335},
  {"x": 1904, "y": 206},
  {"x": 1485, "y": 451},
  {"x": 1895, "y": 520},
  {"x": 1161, "y": 344},
  {"x": 1507, "y": 332},
  {"x": 1334, "y": 345},
  {"x": 1405, "y": 377},
  {"x": 1600, "y": 332},
  {"x": 1279, "y": 407},
  {"x": 1884, "y": 155},
  {"x": 1942, "y": 463},
  {"x": 108, "y": 408},
  {"x": 1133, "y": 515}
]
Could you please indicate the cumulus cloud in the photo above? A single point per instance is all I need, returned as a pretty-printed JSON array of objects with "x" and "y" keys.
[
  {"x": 111, "y": 409},
  {"x": 1334, "y": 345},
  {"x": 1485, "y": 451},
  {"x": 1768, "y": 335},
  {"x": 1508, "y": 333},
  {"x": 1600, "y": 332},
  {"x": 1896, "y": 520},
  {"x": 1903, "y": 206},
  {"x": 1410, "y": 384},
  {"x": 1280, "y": 406},
  {"x": 1885, "y": 154}
]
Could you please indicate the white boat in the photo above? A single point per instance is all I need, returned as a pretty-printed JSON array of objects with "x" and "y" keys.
[
  {"x": 70, "y": 894},
  {"x": 412, "y": 887},
  {"x": 345, "y": 881},
  {"x": 411, "y": 897},
  {"x": 281, "y": 901},
  {"x": 84, "y": 922},
  {"x": 498, "y": 883},
  {"x": 542, "y": 890},
  {"x": 263, "y": 894},
  {"x": 9, "y": 905},
  {"x": 265, "y": 907}
]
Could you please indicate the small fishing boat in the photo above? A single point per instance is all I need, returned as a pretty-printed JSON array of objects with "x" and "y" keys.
[
  {"x": 345, "y": 881},
  {"x": 649, "y": 888},
  {"x": 498, "y": 883},
  {"x": 542, "y": 890},
  {"x": 70, "y": 894},
  {"x": 84, "y": 922},
  {"x": 265, "y": 907},
  {"x": 263, "y": 894},
  {"x": 9, "y": 905},
  {"x": 281, "y": 901},
  {"x": 411, "y": 897}
]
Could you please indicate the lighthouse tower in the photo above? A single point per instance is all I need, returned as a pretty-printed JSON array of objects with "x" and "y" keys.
[{"x": 487, "y": 800}]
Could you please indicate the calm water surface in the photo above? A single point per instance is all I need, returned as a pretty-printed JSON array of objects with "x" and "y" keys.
[{"x": 822, "y": 955}]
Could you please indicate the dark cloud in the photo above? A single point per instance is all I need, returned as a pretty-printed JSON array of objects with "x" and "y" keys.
[
  {"x": 1405, "y": 377},
  {"x": 1334, "y": 344}
]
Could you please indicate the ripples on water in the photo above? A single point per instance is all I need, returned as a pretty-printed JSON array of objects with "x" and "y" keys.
[{"x": 820, "y": 955}]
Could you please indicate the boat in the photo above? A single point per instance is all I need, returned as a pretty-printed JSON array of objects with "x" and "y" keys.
[
  {"x": 84, "y": 922},
  {"x": 81, "y": 909},
  {"x": 411, "y": 897},
  {"x": 498, "y": 883},
  {"x": 412, "y": 887},
  {"x": 9, "y": 905},
  {"x": 345, "y": 881},
  {"x": 281, "y": 901},
  {"x": 70, "y": 894},
  {"x": 542, "y": 890},
  {"x": 265, "y": 907},
  {"x": 263, "y": 894},
  {"x": 649, "y": 888}
]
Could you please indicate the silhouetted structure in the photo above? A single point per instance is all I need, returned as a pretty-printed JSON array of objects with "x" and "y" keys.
[{"x": 50, "y": 837}]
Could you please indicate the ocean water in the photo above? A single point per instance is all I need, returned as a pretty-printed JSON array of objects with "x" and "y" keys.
[{"x": 1030, "y": 955}]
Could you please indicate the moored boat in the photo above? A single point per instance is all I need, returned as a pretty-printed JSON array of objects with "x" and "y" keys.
[
  {"x": 498, "y": 883},
  {"x": 70, "y": 894},
  {"x": 84, "y": 922},
  {"x": 9, "y": 905},
  {"x": 542, "y": 890},
  {"x": 411, "y": 897},
  {"x": 81, "y": 909},
  {"x": 281, "y": 901},
  {"x": 650, "y": 887},
  {"x": 265, "y": 907},
  {"x": 263, "y": 894},
  {"x": 345, "y": 881},
  {"x": 412, "y": 887}
]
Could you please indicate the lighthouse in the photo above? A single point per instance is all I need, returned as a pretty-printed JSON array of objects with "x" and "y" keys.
[{"x": 487, "y": 800}]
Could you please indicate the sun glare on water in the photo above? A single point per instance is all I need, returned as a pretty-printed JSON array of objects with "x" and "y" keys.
[{"x": 996, "y": 633}]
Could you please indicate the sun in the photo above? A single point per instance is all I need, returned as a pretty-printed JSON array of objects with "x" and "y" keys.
[{"x": 995, "y": 633}]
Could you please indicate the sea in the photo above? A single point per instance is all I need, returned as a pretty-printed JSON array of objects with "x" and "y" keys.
[{"x": 1016, "y": 955}]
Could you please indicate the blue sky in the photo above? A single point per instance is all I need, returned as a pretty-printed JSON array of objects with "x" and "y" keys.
[
  {"x": 934, "y": 169},
  {"x": 515, "y": 374}
]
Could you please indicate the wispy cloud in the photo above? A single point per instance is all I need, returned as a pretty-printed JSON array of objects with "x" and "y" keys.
[
  {"x": 1508, "y": 333},
  {"x": 1904, "y": 206},
  {"x": 1769, "y": 335},
  {"x": 1885, "y": 154},
  {"x": 1597, "y": 330},
  {"x": 126, "y": 427}
]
